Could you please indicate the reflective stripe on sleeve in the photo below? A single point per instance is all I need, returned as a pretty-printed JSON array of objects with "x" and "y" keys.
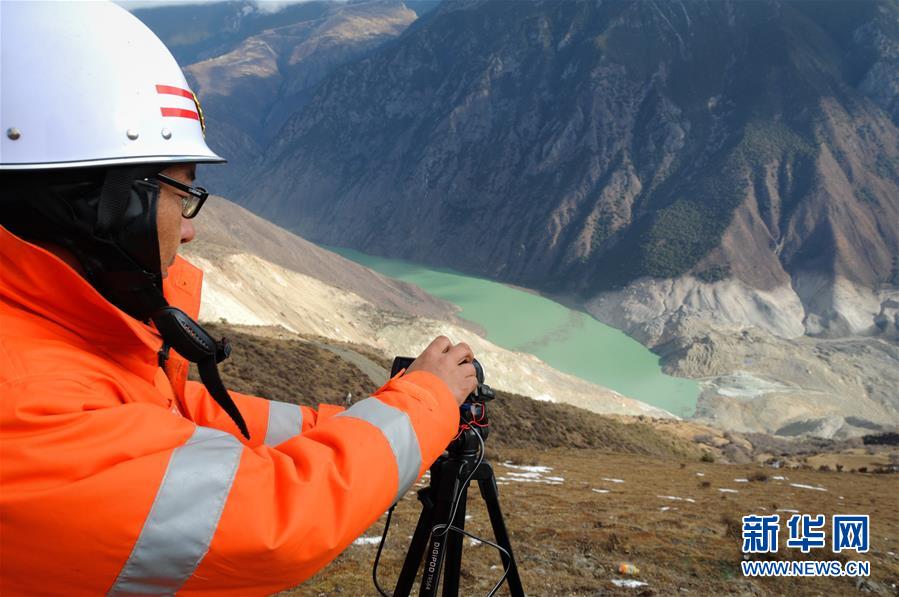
[
  {"x": 184, "y": 516},
  {"x": 397, "y": 428},
  {"x": 284, "y": 422}
]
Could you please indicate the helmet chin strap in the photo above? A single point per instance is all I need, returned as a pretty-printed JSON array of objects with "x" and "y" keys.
[
  {"x": 138, "y": 291},
  {"x": 127, "y": 211},
  {"x": 191, "y": 341}
]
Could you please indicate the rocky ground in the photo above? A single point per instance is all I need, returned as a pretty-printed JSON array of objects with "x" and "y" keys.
[{"x": 280, "y": 365}]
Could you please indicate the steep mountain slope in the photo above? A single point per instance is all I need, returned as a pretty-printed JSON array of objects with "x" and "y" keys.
[
  {"x": 577, "y": 147},
  {"x": 195, "y": 32}
]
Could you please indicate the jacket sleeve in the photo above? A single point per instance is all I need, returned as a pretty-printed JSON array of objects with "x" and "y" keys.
[
  {"x": 167, "y": 505},
  {"x": 270, "y": 422}
]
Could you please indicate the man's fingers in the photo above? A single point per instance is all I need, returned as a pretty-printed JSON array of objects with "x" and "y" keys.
[
  {"x": 470, "y": 371},
  {"x": 440, "y": 344},
  {"x": 461, "y": 352}
]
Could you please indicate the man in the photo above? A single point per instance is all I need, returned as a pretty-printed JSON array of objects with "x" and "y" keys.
[{"x": 118, "y": 476}]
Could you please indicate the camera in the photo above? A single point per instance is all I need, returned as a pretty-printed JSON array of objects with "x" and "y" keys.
[{"x": 482, "y": 393}]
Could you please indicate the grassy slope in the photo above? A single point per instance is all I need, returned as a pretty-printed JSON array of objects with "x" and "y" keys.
[{"x": 568, "y": 538}]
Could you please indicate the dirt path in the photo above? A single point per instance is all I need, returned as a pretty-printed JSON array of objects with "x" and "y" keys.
[{"x": 377, "y": 374}]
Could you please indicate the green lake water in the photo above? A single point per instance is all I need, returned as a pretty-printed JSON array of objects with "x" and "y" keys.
[{"x": 568, "y": 340}]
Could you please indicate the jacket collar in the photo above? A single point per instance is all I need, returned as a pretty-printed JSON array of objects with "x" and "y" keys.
[{"x": 39, "y": 282}]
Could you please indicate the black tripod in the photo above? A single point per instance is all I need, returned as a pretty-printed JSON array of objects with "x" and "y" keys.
[{"x": 448, "y": 488}]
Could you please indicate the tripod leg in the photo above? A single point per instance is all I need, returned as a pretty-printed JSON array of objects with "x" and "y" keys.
[
  {"x": 487, "y": 485},
  {"x": 454, "y": 540},
  {"x": 417, "y": 545},
  {"x": 448, "y": 485}
]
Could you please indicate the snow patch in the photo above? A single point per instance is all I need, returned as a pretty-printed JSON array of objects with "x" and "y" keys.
[
  {"x": 530, "y": 474},
  {"x": 725, "y": 490},
  {"x": 610, "y": 480},
  {"x": 367, "y": 541},
  {"x": 801, "y": 486},
  {"x": 628, "y": 583},
  {"x": 677, "y": 499},
  {"x": 524, "y": 467}
]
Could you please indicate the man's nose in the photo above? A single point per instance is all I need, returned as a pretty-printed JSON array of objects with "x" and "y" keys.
[{"x": 188, "y": 232}]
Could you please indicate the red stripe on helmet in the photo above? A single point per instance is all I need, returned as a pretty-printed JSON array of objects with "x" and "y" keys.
[
  {"x": 180, "y": 113},
  {"x": 169, "y": 90}
]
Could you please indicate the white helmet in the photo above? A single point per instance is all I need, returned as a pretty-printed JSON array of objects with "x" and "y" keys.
[{"x": 88, "y": 84}]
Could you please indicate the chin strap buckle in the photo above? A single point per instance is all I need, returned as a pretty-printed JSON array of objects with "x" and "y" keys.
[
  {"x": 163, "y": 355},
  {"x": 222, "y": 350}
]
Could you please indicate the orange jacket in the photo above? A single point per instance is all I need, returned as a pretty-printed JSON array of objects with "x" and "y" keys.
[{"x": 119, "y": 478}]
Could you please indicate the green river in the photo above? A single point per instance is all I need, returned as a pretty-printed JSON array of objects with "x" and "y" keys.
[{"x": 568, "y": 340}]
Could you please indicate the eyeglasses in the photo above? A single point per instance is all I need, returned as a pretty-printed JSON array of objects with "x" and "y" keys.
[{"x": 190, "y": 203}]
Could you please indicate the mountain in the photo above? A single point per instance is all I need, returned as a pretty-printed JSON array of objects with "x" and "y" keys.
[
  {"x": 194, "y": 32},
  {"x": 717, "y": 179},
  {"x": 257, "y": 274},
  {"x": 581, "y": 148}
]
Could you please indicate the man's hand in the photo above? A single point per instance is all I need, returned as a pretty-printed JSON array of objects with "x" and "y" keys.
[{"x": 450, "y": 363}]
